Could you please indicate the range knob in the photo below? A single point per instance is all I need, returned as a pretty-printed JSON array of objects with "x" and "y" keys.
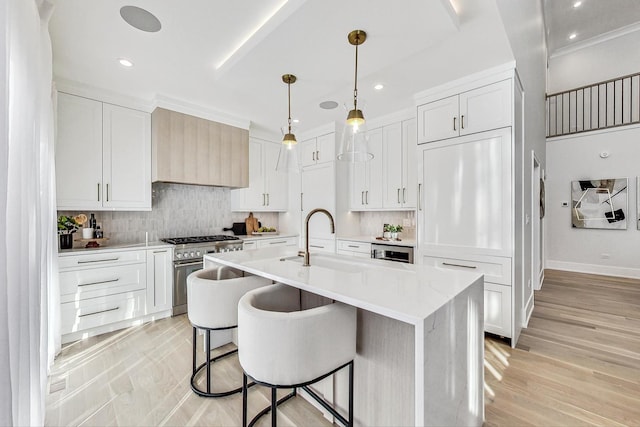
[
  {"x": 198, "y": 253},
  {"x": 193, "y": 254},
  {"x": 178, "y": 254}
]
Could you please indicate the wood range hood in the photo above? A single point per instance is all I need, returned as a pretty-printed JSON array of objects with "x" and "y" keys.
[{"x": 190, "y": 150}]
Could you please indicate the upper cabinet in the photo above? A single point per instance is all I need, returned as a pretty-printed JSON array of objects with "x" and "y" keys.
[
  {"x": 366, "y": 177},
  {"x": 399, "y": 165},
  {"x": 191, "y": 150},
  {"x": 268, "y": 189},
  {"x": 318, "y": 150},
  {"x": 478, "y": 110},
  {"x": 103, "y": 156}
]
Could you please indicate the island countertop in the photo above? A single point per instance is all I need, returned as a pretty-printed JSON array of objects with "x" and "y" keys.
[{"x": 406, "y": 292}]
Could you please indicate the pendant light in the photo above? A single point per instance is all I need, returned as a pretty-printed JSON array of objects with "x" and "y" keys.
[
  {"x": 354, "y": 143},
  {"x": 288, "y": 157}
]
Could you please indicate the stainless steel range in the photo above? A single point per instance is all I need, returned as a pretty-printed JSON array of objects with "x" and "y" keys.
[{"x": 187, "y": 258}]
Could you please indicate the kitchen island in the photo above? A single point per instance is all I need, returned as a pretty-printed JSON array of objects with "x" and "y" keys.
[{"x": 420, "y": 333}]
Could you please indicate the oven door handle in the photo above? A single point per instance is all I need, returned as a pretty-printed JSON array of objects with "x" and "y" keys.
[{"x": 186, "y": 264}]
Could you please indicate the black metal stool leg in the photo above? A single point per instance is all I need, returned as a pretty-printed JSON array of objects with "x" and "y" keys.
[
  {"x": 193, "y": 349},
  {"x": 351, "y": 394},
  {"x": 274, "y": 403},
  {"x": 208, "y": 351},
  {"x": 245, "y": 392}
]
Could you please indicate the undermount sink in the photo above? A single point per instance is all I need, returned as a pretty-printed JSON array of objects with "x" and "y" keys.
[{"x": 328, "y": 262}]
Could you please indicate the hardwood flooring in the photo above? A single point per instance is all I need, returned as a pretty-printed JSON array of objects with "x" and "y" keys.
[{"x": 578, "y": 363}]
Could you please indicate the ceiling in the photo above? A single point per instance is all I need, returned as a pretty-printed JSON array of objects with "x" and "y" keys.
[
  {"x": 182, "y": 61},
  {"x": 593, "y": 18}
]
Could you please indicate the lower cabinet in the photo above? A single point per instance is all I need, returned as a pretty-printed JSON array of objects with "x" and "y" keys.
[
  {"x": 322, "y": 245},
  {"x": 275, "y": 242},
  {"x": 106, "y": 290},
  {"x": 497, "y": 287},
  {"x": 357, "y": 249}
]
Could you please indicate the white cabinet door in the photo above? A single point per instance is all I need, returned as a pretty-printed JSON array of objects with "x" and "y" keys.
[
  {"x": 409, "y": 163},
  {"x": 497, "y": 309},
  {"x": 326, "y": 148},
  {"x": 466, "y": 202},
  {"x": 159, "y": 280},
  {"x": 438, "y": 120},
  {"x": 307, "y": 152},
  {"x": 318, "y": 191},
  {"x": 126, "y": 158},
  {"x": 79, "y": 153},
  {"x": 485, "y": 108},
  {"x": 358, "y": 176},
  {"x": 392, "y": 153},
  {"x": 373, "y": 195},
  {"x": 277, "y": 186}
]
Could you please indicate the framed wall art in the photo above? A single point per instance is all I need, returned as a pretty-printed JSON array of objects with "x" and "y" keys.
[{"x": 599, "y": 203}]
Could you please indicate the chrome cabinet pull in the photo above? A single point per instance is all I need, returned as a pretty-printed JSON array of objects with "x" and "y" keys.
[
  {"x": 98, "y": 312},
  {"x": 454, "y": 124},
  {"x": 97, "y": 283},
  {"x": 362, "y": 197},
  {"x": 353, "y": 246},
  {"x": 462, "y": 121},
  {"x": 398, "y": 196},
  {"x": 366, "y": 196},
  {"x": 317, "y": 246},
  {"x": 277, "y": 243},
  {"x": 98, "y": 191},
  {"x": 459, "y": 265},
  {"x": 313, "y": 156},
  {"x": 317, "y": 155},
  {"x": 107, "y": 192},
  {"x": 301, "y": 204},
  {"x": 98, "y": 260},
  {"x": 419, "y": 197},
  {"x": 268, "y": 199},
  {"x": 160, "y": 252},
  {"x": 404, "y": 195}
]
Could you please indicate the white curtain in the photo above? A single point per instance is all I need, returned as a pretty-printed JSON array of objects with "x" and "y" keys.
[{"x": 27, "y": 205}]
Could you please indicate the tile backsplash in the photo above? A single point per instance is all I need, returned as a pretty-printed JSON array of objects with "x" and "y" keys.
[
  {"x": 177, "y": 210},
  {"x": 371, "y": 223}
]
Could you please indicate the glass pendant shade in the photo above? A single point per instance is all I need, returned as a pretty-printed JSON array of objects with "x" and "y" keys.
[
  {"x": 354, "y": 146},
  {"x": 288, "y": 156}
]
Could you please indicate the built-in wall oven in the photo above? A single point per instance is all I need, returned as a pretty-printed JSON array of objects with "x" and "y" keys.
[
  {"x": 187, "y": 258},
  {"x": 392, "y": 252}
]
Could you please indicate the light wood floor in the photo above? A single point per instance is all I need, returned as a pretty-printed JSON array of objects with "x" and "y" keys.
[{"x": 578, "y": 363}]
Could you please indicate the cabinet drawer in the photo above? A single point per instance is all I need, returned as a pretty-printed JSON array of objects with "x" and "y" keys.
[
  {"x": 322, "y": 245},
  {"x": 249, "y": 245},
  {"x": 351, "y": 246},
  {"x": 96, "y": 282},
  {"x": 495, "y": 269},
  {"x": 93, "y": 312},
  {"x": 272, "y": 243},
  {"x": 100, "y": 259}
]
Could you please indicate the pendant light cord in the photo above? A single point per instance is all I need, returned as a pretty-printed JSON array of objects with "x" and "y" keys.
[
  {"x": 289, "y": 99},
  {"x": 355, "y": 87}
]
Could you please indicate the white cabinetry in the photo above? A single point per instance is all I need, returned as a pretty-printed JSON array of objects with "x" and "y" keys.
[
  {"x": 103, "y": 156},
  {"x": 400, "y": 165},
  {"x": 318, "y": 150},
  {"x": 366, "y": 177},
  {"x": 466, "y": 198},
  {"x": 268, "y": 189},
  {"x": 484, "y": 108},
  {"x": 318, "y": 191},
  {"x": 107, "y": 290},
  {"x": 159, "y": 280},
  {"x": 357, "y": 249},
  {"x": 277, "y": 242}
]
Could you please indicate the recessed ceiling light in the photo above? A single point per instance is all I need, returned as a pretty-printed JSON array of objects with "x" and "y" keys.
[
  {"x": 296, "y": 121},
  {"x": 125, "y": 62},
  {"x": 328, "y": 105},
  {"x": 379, "y": 86},
  {"x": 140, "y": 19},
  {"x": 572, "y": 36},
  {"x": 577, "y": 4}
]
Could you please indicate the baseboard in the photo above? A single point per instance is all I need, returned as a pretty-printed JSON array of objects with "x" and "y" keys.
[
  {"x": 528, "y": 311},
  {"x": 605, "y": 270}
]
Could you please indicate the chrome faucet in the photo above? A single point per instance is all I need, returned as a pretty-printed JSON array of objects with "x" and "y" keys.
[{"x": 306, "y": 230}]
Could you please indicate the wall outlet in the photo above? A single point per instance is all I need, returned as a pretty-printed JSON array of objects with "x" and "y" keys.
[{"x": 565, "y": 204}]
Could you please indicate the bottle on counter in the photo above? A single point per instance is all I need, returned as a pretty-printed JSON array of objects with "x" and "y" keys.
[
  {"x": 92, "y": 222},
  {"x": 98, "y": 233}
]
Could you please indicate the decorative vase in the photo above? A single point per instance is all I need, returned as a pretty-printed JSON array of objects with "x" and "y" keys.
[
  {"x": 386, "y": 234},
  {"x": 394, "y": 235},
  {"x": 66, "y": 241}
]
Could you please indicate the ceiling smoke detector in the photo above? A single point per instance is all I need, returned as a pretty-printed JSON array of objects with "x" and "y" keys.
[{"x": 140, "y": 19}]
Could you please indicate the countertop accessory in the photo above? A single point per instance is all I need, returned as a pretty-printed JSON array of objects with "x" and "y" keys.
[
  {"x": 252, "y": 224},
  {"x": 354, "y": 145},
  {"x": 288, "y": 156}
]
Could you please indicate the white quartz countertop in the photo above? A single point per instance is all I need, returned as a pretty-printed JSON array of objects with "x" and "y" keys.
[
  {"x": 373, "y": 239},
  {"x": 250, "y": 238},
  {"x": 405, "y": 292},
  {"x": 116, "y": 248}
]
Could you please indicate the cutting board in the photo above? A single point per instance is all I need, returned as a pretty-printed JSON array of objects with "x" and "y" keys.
[{"x": 251, "y": 223}]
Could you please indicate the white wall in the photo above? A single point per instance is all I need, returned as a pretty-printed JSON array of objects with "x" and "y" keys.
[{"x": 577, "y": 157}]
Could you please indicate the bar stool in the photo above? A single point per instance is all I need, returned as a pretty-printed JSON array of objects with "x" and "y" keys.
[
  {"x": 213, "y": 296},
  {"x": 282, "y": 346}
]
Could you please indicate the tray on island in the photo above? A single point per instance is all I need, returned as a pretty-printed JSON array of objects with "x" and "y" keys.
[{"x": 265, "y": 233}]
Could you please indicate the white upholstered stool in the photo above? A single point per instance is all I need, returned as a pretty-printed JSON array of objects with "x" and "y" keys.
[
  {"x": 281, "y": 346},
  {"x": 213, "y": 296}
]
